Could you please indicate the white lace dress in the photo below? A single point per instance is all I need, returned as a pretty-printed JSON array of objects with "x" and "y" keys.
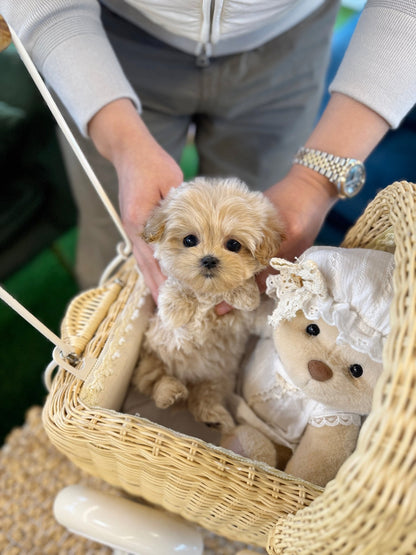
[{"x": 271, "y": 403}]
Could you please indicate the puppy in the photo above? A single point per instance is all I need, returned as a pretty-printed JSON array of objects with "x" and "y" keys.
[{"x": 210, "y": 236}]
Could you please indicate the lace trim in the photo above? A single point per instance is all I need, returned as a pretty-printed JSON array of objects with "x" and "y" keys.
[
  {"x": 281, "y": 389},
  {"x": 296, "y": 285},
  {"x": 335, "y": 420}
]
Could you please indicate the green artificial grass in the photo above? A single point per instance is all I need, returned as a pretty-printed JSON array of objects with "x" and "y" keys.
[
  {"x": 343, "y": 16},
  {"x": 189, "y": 161},
  {"x": 44, "y": 286}
]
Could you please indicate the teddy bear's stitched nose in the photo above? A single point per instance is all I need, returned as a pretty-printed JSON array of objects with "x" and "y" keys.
[{"x": 319, "y": 371}]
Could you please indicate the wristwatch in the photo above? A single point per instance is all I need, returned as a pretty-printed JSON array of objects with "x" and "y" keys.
[{"x": 347, "y": 174}]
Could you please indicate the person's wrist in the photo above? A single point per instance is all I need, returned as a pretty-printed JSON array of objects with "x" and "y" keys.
[
  {"x": 313, "y": 182},
  {"x": 345, "y": 173},
  {"x": 117, "y": 129},
  {"x": 303, "y": 198}
]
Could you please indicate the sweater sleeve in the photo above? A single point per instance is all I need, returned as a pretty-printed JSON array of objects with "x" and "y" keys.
[
  {"x": 68, "y": 44},
  {"x": 379, "y": 66}
]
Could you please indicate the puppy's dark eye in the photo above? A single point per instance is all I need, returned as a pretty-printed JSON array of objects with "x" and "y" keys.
[
  {"x": 232, "y": 245},
  {"x": 312, "y": 329},
  {"x": 190, "y": 241},
  {"x": 356, "y": 370}
]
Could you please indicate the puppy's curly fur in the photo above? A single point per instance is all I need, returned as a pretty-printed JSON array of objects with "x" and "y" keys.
[{"x": 211, "y": 236}]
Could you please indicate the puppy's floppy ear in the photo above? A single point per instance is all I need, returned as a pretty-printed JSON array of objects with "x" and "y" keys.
[
  {"x": 273, "y": 235},
  {"x": 154, "y": 226}
]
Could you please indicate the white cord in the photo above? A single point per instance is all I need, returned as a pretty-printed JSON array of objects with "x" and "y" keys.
[
  {"x": 63, "y": 354},
  {"x": 30, "y": 66},
  {"x": 28, "y": 316},
  {"x": 47, "y": 374}
]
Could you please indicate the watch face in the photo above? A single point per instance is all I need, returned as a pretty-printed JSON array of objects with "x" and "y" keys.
[{"x": 354, "y": 180}]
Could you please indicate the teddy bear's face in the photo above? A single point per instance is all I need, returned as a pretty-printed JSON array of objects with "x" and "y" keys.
[{"x": 335, "y": 375}]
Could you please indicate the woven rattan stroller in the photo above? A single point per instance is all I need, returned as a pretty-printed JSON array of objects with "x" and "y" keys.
[
  {"x": 371, "y": 505},
  {"x": 369, "y": 508}
]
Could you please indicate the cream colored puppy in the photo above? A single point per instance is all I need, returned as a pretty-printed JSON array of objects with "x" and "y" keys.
[{"x": 211, "y": 236}]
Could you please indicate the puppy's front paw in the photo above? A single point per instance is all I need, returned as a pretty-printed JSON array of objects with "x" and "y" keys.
[
  {"x": 249, "y": 442},
  {"x": 245, "y": 297},
  {"x": 216, "y": 416},
  {"x": 169, "y": 390},
  {"x": 148, "y": 372},
  {"x": 174, "y": 308}
]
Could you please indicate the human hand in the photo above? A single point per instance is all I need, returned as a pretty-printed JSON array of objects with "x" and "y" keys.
[
  {"x": 302, "y": 199},
  {"x": 145, "y": 173}
]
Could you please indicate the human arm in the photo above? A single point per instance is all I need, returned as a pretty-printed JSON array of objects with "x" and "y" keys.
[
  {"x": 347, "y": 128},
  {"x": 373, "y": 90},
  {"x": 145, "y": 174},
  {"x": 304, "y": 197},
  {"x": 68, "y": 44}
]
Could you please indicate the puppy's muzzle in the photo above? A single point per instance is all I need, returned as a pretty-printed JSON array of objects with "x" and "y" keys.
[{"x": 209, "y": 263}]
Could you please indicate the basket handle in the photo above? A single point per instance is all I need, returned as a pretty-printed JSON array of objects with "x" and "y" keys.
[{"x": 63, "y": 354}]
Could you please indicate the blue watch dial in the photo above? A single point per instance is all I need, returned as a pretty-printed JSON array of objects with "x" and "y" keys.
[{"x": 354, "y": 180}]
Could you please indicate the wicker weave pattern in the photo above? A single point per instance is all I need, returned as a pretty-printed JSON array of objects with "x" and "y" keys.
[
  {"x": 83, "y": 324},
  {"x": 223, "y": 493},
  {"x": 369, "y": 508},
  {"x": 205, "y": 484},
  {"x": 97, "y": 308}
]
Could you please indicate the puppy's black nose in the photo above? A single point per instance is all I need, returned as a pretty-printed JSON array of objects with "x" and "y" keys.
[{"x": 209, "y": 262}]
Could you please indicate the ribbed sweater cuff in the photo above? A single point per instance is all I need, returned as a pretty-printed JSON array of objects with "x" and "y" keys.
[
  {"x": 86, "y": 76},
  {"x": 69, "y": 47}
]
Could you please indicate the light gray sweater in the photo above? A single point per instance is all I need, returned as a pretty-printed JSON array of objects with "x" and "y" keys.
[{"x": 68, "y": 44}]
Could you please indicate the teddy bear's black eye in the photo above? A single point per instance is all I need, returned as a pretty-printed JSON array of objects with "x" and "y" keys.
[
  {"x": 190, "y": 241},
  {"x": 233, "y": 245},
  {"x": 313, "y": 329},
  {"x": 356, "y": 370}
]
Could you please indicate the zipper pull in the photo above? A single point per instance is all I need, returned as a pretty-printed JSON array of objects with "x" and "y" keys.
[{"x": 203, "y": 59}]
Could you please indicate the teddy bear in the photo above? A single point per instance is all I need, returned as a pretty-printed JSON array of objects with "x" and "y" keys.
[{"x": 308, "y": 383}]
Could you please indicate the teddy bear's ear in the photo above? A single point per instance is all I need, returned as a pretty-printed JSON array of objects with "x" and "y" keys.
[
  {"x": 155, "y": 226},
  {"x": 273, "y": 235}
]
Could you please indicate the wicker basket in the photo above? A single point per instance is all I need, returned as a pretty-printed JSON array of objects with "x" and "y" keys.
[
  {"x": 371, "y": 505},
  {"x": 5, "y": 36}
]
